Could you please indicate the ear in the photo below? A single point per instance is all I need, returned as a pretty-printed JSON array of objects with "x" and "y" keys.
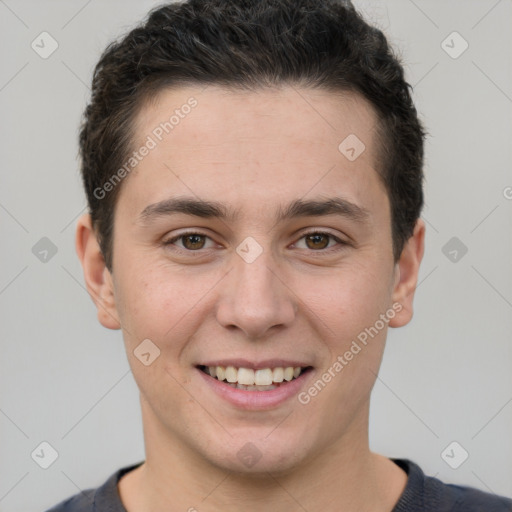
[
  {"x": 407, "y": 269},
  {"x": 98, "y": 278}
]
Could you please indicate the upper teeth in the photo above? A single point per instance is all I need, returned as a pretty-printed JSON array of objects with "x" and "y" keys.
[{"x": 249, "y": 377}]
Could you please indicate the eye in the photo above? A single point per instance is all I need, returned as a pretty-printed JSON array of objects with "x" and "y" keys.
[
  {"x": 191, "y": 241},
  {"x": 319, "y": 240}
]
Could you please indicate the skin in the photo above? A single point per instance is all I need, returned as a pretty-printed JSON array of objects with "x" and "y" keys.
[{"x": 254, "y": 152}]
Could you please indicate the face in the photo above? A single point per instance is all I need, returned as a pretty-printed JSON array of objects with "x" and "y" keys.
[{"x": 247, "y": 240}]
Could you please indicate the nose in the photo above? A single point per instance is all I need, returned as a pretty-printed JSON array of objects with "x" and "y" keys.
[{"x": 255, "y": 298}]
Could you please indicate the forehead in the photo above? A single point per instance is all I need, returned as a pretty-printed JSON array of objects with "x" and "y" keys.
[
  {"x": 269, "y": 144},
  {"x": 317, "y": 114}
]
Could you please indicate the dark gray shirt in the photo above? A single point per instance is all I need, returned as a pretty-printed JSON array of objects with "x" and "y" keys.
[{"x": 421, "y": 494}]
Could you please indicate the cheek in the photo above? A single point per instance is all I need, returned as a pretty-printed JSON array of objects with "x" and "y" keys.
[
  {"x": 347, "y": 318},
  {"x": 346, "y": 312},
  {"x": 160, "y": 310},
  {"x": 349, "y": 298},
  {"x": 161, "y": 305}
]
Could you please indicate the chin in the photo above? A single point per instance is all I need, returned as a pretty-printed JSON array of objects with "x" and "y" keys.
[{"x": 258, "y": 455}]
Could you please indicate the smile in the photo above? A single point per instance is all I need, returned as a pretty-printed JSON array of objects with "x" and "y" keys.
[
  {"x": 263, "y": 387},
  {"x": 264, "y": 379}
]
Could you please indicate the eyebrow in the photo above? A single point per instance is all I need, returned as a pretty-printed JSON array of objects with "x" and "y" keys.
[{"x": 214, "y": 209}]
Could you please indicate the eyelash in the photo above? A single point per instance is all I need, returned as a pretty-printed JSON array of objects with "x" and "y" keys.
[{"x": 190, "y": 251}]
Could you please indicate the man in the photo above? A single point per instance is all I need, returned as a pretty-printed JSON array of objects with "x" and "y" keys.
[{"x": 254, "y": 179}]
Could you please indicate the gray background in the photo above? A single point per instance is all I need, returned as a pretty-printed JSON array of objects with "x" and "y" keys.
[{"x": 446, "y": 377}]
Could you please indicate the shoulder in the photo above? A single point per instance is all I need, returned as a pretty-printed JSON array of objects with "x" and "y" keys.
[
  {"x": 101, "y": 499},
  {"x": 82, "y": 502},
  {"x": 425, "y": 493},
  {"x": 468, "y": 499}
]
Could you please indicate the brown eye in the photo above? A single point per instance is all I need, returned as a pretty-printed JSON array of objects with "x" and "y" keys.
[
  {"x": 189, "y": 242},
  {"x": 317, "y": 241},
  {"x": 193, "y": 242},
  {"x": 321, "y": 242}
]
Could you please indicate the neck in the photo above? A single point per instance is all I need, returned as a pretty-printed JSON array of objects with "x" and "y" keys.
[{"x": 345, "y": 476}]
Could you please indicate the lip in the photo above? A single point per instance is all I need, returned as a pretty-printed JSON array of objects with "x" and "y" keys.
[
  {"x": 260, "y": 365},
  {"x": 256, "y": 400}
]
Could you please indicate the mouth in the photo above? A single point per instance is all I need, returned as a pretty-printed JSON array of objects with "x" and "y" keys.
[{"x": 249, "y": 379}]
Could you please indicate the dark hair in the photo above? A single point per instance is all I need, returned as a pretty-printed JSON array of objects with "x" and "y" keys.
[{"x": 249, "y": 44}]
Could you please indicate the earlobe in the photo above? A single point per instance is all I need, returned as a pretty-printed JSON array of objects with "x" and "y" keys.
[
  {"x": 407, "y": 276},
  {"x": 98, "y": 278}
]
